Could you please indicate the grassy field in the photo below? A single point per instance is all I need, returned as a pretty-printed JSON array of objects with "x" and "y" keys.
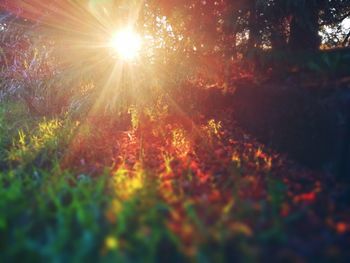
[{"x": 164, "y": 190}]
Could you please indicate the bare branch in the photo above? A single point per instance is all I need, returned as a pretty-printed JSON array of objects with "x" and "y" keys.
[{"x": 339, "y": 20}]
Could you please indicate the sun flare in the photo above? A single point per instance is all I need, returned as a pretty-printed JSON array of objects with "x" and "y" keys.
[{"x": 126, "y": 43}]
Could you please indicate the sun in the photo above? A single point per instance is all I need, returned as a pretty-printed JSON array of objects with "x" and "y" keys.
[{"x": 126, "y": 43}]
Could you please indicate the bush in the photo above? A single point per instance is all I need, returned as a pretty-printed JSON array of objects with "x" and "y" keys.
[{"x": 303, "y": 123}]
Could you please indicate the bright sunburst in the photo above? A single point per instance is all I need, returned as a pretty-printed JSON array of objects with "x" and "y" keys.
[{"x": 126, "y": 43}]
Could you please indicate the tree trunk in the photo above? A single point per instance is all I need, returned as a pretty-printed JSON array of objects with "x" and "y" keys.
[
  {"x": 279, "y": 36},
  {"x": 304, "y": 28},
  {"x": 253, "y": 29}
]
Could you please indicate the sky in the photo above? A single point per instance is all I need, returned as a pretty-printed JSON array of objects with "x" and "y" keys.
[
  {"x": 345, "y": 28},
  {"x": 346, "y": 23}
]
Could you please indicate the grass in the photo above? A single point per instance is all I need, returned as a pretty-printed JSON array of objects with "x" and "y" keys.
[{"x": 168, "y": 195}]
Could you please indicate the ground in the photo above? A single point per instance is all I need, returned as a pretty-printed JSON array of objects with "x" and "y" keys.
[{"x": 167, "y": 188}]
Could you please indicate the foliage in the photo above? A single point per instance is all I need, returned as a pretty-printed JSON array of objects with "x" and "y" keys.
[
  {"x": 213, "y": 194},
  {"x": 50, "y": 73},
  {"x": 143, "y": 161},
  {"x": 29, "y": 70}
]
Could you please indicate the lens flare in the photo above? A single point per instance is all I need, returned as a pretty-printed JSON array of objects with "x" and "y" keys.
[{"x": 126, "y": 43}]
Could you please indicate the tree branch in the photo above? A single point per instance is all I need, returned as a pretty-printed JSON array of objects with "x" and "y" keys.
[{"x": 339, "y": 20}]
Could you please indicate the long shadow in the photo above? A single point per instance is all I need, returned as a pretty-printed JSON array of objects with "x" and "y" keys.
[{"x": 312, "y": 126}]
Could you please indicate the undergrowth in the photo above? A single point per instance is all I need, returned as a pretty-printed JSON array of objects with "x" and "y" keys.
[{"x": 165, "y": 190}]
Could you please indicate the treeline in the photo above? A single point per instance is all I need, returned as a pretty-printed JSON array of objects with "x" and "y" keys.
[
  {"x": 276, "y": 24},
  {"x": 57, "y": 41}
]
